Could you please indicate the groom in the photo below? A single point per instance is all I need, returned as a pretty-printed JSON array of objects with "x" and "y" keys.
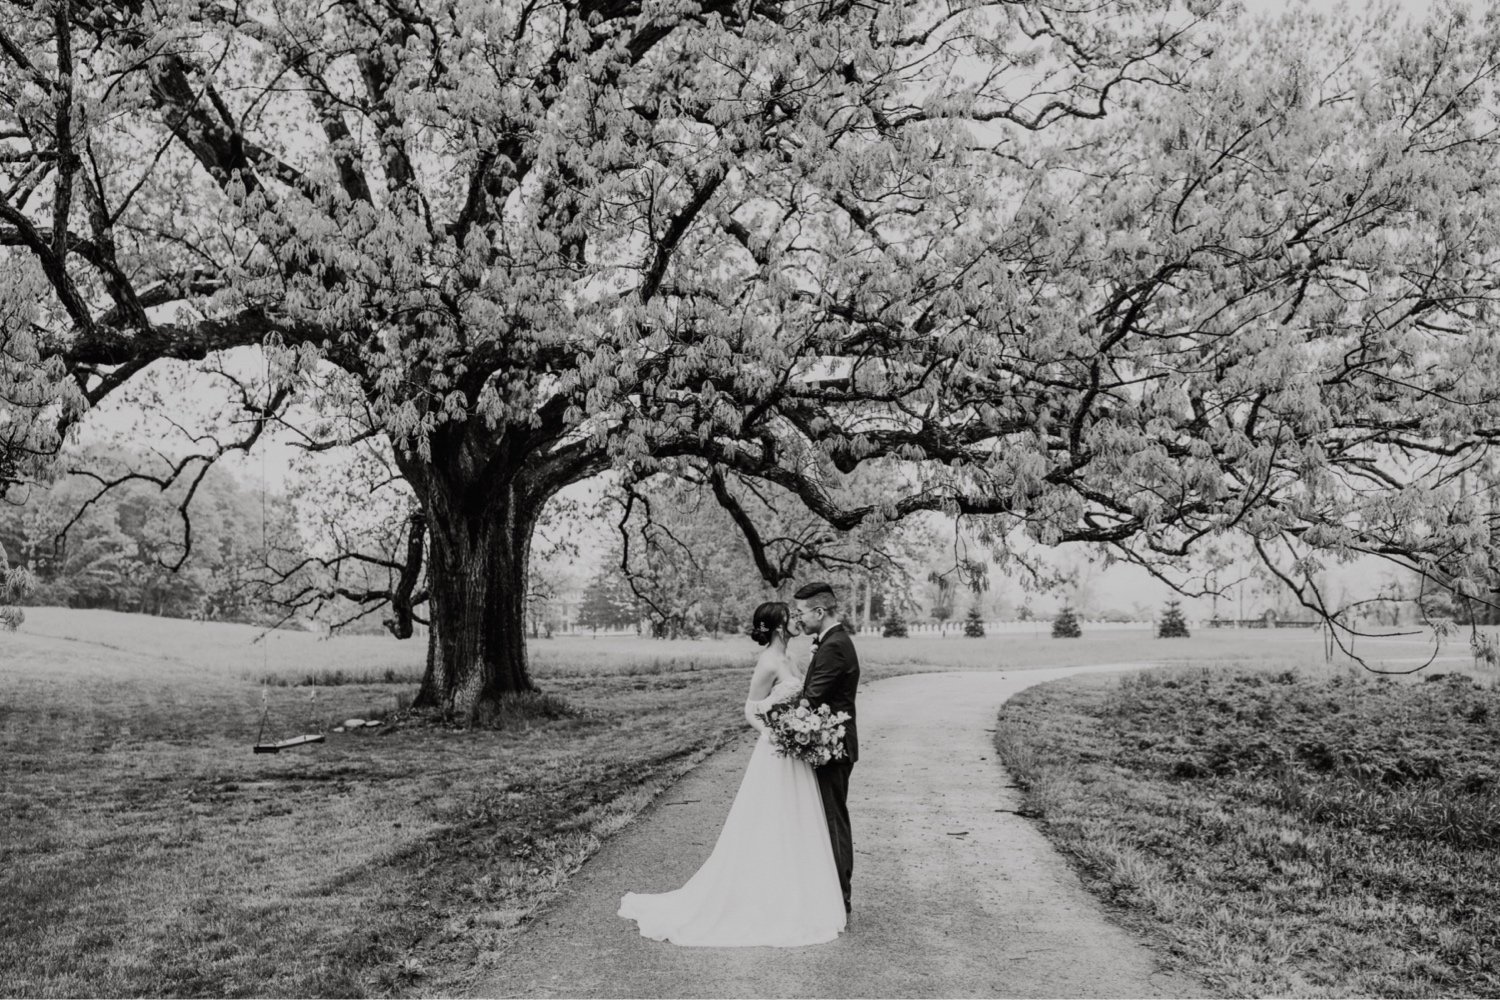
[{"x": 831, "y": 679}]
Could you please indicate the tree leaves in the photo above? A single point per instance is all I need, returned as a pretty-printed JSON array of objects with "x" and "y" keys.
[{"x": 1134, "y": 275}]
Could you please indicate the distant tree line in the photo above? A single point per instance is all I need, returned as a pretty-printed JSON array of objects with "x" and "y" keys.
[{"x": 131, "y": 549}]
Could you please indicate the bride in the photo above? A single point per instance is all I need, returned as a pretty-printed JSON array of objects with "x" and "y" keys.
[{"x": 770, "y": 879}]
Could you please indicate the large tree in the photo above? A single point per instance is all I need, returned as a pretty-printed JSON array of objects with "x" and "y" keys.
[{"x": 523, "y": 241}]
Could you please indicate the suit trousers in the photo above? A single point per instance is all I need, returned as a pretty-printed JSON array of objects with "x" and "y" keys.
[{"x": 833, "y": 785}]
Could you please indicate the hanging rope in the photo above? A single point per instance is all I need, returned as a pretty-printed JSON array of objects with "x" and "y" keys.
[{"x": 275, "y": 746}]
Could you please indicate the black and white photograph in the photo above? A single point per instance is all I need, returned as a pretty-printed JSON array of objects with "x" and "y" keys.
[{"x": 749, "y": 498}]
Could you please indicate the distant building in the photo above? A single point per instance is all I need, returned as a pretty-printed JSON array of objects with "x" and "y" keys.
[{"x": 1269, "y": 618}]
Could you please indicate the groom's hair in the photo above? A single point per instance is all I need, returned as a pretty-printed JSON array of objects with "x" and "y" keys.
[{"x": 819, "y": 595}]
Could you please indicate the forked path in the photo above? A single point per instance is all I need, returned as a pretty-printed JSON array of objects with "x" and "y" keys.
[{"x": 954, "y": 894}]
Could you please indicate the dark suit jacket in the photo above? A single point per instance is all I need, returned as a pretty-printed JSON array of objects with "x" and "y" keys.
[{"x": 831, "y": 680}]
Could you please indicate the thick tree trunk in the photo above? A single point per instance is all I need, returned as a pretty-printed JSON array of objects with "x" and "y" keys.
[
  {"x": 478, "y": 550},
  {"x": 482, "y": 487}
]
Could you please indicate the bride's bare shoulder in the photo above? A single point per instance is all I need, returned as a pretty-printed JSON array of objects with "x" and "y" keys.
[
  {"x": 764, "y": 660},
  {"x": 776, "y": 663}
]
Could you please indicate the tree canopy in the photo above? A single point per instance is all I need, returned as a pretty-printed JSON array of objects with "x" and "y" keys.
[{"x": 1128, "y": 274}]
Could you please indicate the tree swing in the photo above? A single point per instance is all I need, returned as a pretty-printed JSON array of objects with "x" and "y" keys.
[
  {"x": 276, "y": 746},
  {"x": 262, "y": 745}
]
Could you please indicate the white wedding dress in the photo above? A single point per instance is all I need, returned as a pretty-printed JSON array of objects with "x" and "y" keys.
[{"x": 771, "y": 879}]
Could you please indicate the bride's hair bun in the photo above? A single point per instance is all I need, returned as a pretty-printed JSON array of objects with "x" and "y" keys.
[{"x": 770, "y": 618}]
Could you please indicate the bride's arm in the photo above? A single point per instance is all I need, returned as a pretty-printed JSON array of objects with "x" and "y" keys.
[{"x": 761, "y": 683}]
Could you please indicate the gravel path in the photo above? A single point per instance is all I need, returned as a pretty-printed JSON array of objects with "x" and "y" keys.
[{"x": 954, "y": 894}]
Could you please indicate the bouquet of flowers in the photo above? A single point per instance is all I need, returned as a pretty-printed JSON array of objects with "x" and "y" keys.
[{"x": 799, "y": 731}]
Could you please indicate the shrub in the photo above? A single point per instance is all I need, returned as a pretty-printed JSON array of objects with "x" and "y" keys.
[
  {"x": 338, "y": 677},
  {"x": 894, "y": 626}
]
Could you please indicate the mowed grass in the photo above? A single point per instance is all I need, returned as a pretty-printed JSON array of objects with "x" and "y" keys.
[
  {"x": 1310, "y": 832},
  {"x": 293, "y": 658},
  {"x": 145, "y": 851}
]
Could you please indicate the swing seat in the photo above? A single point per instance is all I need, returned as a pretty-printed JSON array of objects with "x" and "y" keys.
[{"x": 295, "y": 741}]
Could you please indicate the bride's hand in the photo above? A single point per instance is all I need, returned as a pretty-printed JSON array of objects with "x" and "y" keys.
[{"x": 752, "y": 715}]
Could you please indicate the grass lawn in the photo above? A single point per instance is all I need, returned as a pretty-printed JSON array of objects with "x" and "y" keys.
[
  {"x": 1312, "y": 832},
  {"x": 145, "y": 850},
  {"x": 286, "y": 657}
]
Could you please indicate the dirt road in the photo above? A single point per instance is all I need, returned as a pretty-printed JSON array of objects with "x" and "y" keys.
[{"x": 954, "y": 894}]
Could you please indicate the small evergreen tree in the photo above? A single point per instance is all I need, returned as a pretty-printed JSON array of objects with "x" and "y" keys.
[
  {"x": 894, "y": 626},
  {"x": 1172, "y": 625},
  {"x": 15, "y": 582},
  {"x": 1065, "y": 625},
  {"x": 973, "y": 624}
]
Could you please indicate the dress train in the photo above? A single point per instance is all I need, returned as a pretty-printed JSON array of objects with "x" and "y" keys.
[{"x": 771, "y": 879}]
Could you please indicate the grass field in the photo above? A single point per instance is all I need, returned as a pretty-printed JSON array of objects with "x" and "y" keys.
[
  {"x": 1314, "y": 832},
  {"x": 247, "y": 653},
  {"x": 145, "y": 851}
]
